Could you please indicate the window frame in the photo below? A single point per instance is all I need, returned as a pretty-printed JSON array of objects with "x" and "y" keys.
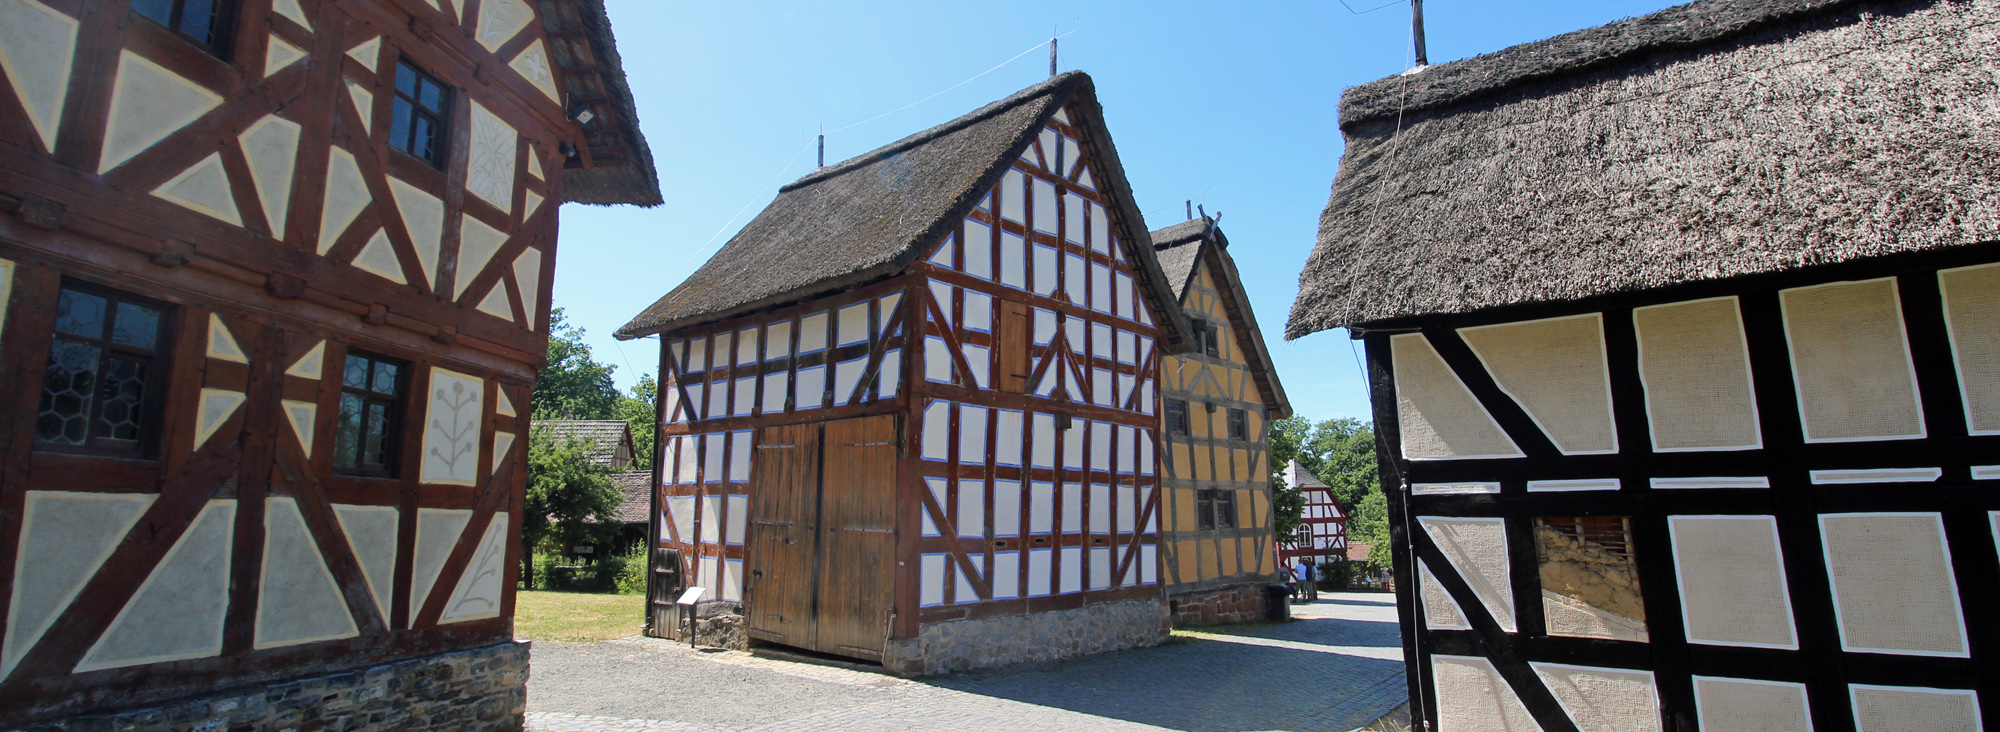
[
  {"x": 152, "y": 404},
  {"x": 1239, "y": 423},
  {"x": 1204, "y": 510},
  {"x": 394, "y": 405},
  {"x": 1225, "y": 506},
  {"x": 1178, "y": 408},
  {"x": 223, "y": 27},
  {"x": 440, "y": 118}
]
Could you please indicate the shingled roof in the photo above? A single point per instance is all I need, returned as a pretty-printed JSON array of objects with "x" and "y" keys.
[
  {"x": 1716, "y": 139},
  {"x": 1184, "y": 245},
  {"x": 619, "y": 168},
  {"x": 604, "y": 436},
  {"x": 872, "y": 216}
]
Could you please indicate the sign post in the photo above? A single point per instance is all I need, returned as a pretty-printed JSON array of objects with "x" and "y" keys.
[{"x": 688, "y": 602}]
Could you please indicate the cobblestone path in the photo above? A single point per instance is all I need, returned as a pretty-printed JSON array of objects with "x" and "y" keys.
[{"x": 1336, "y": 669}]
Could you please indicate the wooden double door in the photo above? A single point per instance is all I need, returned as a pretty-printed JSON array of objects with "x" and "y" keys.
[{"x": 823, "y": 535}]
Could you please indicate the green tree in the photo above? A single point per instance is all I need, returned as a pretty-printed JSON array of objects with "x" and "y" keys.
[
  {"x": 572, "y": 385},
  {"x": 1341, "y": 452},
  {"x": 637, "y": 409},
  {"x": 570, "y": 498}
]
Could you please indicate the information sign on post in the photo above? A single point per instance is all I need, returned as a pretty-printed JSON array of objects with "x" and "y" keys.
[{"x": 688, "y": 600}]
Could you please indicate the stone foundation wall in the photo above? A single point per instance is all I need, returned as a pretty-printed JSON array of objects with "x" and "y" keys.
[
  {"x": 1231, "y": 605},
  {"x": 481, "y": 689},
  {"x": 963, "y": 645},
  {"x": 718, "y": 625}
]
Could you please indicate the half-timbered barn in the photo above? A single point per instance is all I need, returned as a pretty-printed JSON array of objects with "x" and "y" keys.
[
  {"x": 1322, "y": 532},
  {"x": 1218, "y": 400},
  {"x": 910, "y": 409},
  {"x": 1683, "y": 337},
  {"x": 274, "y": 277}
]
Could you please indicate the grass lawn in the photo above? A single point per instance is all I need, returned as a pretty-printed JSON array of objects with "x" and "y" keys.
[{"x": 577, "y": 617}]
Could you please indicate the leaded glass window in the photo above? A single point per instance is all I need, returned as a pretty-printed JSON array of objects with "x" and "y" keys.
[
  {"x": 364, "y": 440},
  {"x": 105, "y": 375},
  {"x": 202, "y": 22}
]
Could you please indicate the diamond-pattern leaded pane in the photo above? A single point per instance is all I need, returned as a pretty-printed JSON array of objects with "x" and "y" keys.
[
  {"x": 385, "y": 379},
  {"x": 378, "y": 427},
  {"x": 80, "y": 313},
  {"x": 67, "y": 386},
  {"x": 137, "y": 326},
  {"x": 123, "y": 391},
  {"x": 357, "y": 373},
  {"x": 347, "y": 432}
]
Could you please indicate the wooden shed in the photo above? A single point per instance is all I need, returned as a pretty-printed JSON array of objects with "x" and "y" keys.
[
  {"x": 1219, "y": 399},
  {"x": 274, "y": 278},
  {"x": 1683, "y": 338},
  {"x": 909, "y": 411}
]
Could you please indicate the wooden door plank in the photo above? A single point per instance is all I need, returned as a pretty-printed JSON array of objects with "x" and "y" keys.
[
  {"x": 783, "y": 527},
  {"x": 858, "y": 536}
]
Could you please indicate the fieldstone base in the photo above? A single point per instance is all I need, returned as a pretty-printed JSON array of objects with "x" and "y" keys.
[
  {"x": 481, "y": 689},
  {"x": 718, "y": 624},
  {"x": 1231, "y": 605},
  {"x": 963, "y": 645}
]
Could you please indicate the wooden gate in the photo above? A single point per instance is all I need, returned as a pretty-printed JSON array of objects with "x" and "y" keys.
[{"x": 823, "y": 535}]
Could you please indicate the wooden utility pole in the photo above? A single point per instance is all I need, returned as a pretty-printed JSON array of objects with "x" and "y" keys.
[{"x": 1417, "y": 30}]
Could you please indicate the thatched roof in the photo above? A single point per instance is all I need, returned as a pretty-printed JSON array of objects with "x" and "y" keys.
[
  {"x": 1181, "y": 248},
  {"x": 1711, "y": 140},
  {"x": 619, "y": 167},
  {"x": 872, "y": 216}
]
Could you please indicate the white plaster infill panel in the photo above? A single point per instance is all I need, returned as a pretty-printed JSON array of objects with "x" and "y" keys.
[
  {"x": 364, "y": 104},
  {"x": 37, "y": 47},
  {"x": 369, "y": 53},
  {"x": 298, "y": 600},
  {"x": 1751, "y": 704},
  {"x": 378, "y": 257},
  {"x": 533, "y": 64},
  {"x": 1694, "y": 364},
  {"x": 1477, "y": 549},
  {"x": 272, "y": 148},
  {"x": 503, "y": 443},
  {"x": 451, "y": 429},
  {"x": 423, "y": 217},
  {"x": 65, "y": 537},
  {"x": 1972, "y": 319},
  {"x": 279, "y": 55},
  {"x": 528, "y": 279},
  {"x": 222, "y": 343},
  {"x": 1440, "y": 418},
  {"x": 346, "y": 196},
  {"x": 148, "y": 103},
  {"x": 6, "y": 294},
  {"x": 178, "y": 612},
  {"x": 489, "y": 170},
  {"x": 204, "y": 189},
  {"x": 495, "y": 302},
  {"x": 1557, "y": 371},
  {"x": 1441, "y": 612},
  {"x": 1851, "y": 367},
  {"x": 1893, "y": 586},
  {"x": 309, "y": 366},
  {"x": 477, "y": 243},
  {"x": 479, "y": 589},
  {"x": 217, "y": 405},
  {"x": 1896, "y": 708},
  {"x": 1731, "y": 571},
  {"x": 291, "y": 9},
  {"x": 1603, "y": 699},
  {"x": 371, "y": 533},
  {"x": 438, "y": 530},
  {"x": 1473, "y": 697},
  {"x": 499, "y": 20}
]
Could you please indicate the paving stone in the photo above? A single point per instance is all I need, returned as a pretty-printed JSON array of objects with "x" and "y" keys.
[{"x": 1335, "y": 669}]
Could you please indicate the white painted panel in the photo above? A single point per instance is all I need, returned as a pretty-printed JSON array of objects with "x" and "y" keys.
[
  {"x": 711, "y": 519},
  {"x": 937, "y": 360},
  {"x": 680, "y": 510},
  {"x": 741, "y": 447},
  {"x": 1045, "y": 326},
  {"x": 1122, "y": 295},
  {"x": 890, "y": 377},
  {"x": 1893, "y": 586},
  {"x": 1145, "y": 440},
  {"x": 853, "y": 326},
  {"x": 1149, "y": 564},
  {"x": 930, "y": 591},
  {"x": 528, "y": 276},
  {"x": 1041, "y": 572},
  {"x": 937, "y": 430},
  {"x": 1441, "y": 612},
  {"x": 735, "y": 527},
  {"x": 65, "y": 537},
  {"x": 203, "y": 188},
  {"x": 690, "y": 453},
  {"x": 1073, "y": 224},
  {"x": 746, "y": 346},
  {"x": 222, "y": 343},
  {"x": 1851, "y": 362},
  {"x": 1100, "y": 288},
  {"x": 1100, "y": 568},
  {"x": 812, "y": 333},
  {"x": 777, "y": 340},
  {"x": 1127, "y": 347},
  {"x": 1101, "y": 392},
  {"x": 1075, "y": 273},
  {"x": 1045, "y": 270},
  {"x": 1897, "y": 708},
  {"x": 724, "y": 344},
  {"x": 148, "y": 103},
  {"x": 1695, "y": 366},
  {"x": 1146, "y": 400},
  {"x": 479, "y": 590},
  {"x": 716, "y": 406},
  {"x": 1100, "y": 446},
  {"x": 970, "y": 517},
  {"x": 272, "y": 149},
  {"x": 217, "y": 405},
  {"x": 981, "y": 361},
  {"x": 1124, "y": 447},
  {"x": 1721, "y": 482},
  {"x": 978, "y": 251},
  {"x": 809, "y": 390},
  {"x": 533, "y": 64},
  {"x": 1075, "y": 330},
  {"x": 489, "y": 165},
  {"x": 1440, "y": 419},
  {"x": 1072, "y": 569},
  {"x": 369, "y": 53},
  {"x": 1100, "y": 230},
  {"x": 1472, "y": 697},
  {"x": 1045, "y": 206},
  {"x": 714, "y": 455},
  {"x": 278, "y": 54},
  {"x": 500, "y": 20},
  {"x": 1041, "y": 508},
  {"x": 1972, "y": 316},
  {"x": 1126, "y": 383},
  {"x": 1072, "y": 509},
  {"x": 1013, "y": 197},
  {"x": 1579, "y": 484},
  {"x": 1100, "y": 508},
  {"x": 1072, "y": 440},
  {"x": 178, "y": 611},
  {"x": 37, "y": 47},
  {"x": 1007, "y": 438},
  {"x": 1101, "y": 342},
  {"x": 1749, "y": 704},
  {"x": 1732, "y": 576},
  {"x": 939, "y": 492},
  {"x": 1477, "y": 548},
  {"x": 298, "y": 600},
  {"x": 1006, "y": 508},
  {"x": 1013, "y": 261},
  {"x": 1006, "y": 577},
  {"x": 946, "y": 253},
  {"x": 745, "y": 401},
  {"x": 371, "y": 532},
  {"x": 1556, "y": 370},
  {"x": 1879, "y": 475},
  {"x": 1603, "y": 699},
  {"x": 477, "y": 244},
  {"x": 697, "y": 392},
  {"x": 495, "y": 303},
  {"x": 423, "y": 218},
  {"x": 732, "y": 580},
  {"x": 978, "y": 311},
  {"x": 971, "y": 434},
  {"x": 846, "y": 376},
  {"x": 775, "y": 390},
  {"x": 1128, "y": 509},
  {"x": 1043, "y": 430}
]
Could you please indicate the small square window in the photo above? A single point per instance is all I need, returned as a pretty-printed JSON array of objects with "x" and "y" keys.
[
  {"x": 1590, "y": 583},
  {"x": 1204, "y": 510},
  {"x": 417, "y": 125},
  {"x": 1225, "y": 509},
  {"x": 371, "y": 395},
  {"x": 106, "y": 374},
  {"x": 1239, "y": 424},
  {"x": 1177, "y": 416},
  {"x": 205, "y": 23}
]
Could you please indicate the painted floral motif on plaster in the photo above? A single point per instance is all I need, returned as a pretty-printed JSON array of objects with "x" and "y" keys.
[
  {"x": 490, "y": 167},
  {"x": 533, "y": 65},
  {"x": 451, "y": 439},
  {"x": 499, "y": 20}
]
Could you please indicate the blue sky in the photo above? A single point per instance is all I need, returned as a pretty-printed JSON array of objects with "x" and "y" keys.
[{"x": 1234, "y": 106}]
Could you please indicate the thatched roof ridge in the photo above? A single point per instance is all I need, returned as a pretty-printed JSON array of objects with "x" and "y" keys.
[
  {"x": 1813, "y": 138},
  {"x": 871, "y": 217},
  {"x": 1182, "y": 248},
  {"x": 1681, "y": 26},
  {"x": 635, "y": 181}
]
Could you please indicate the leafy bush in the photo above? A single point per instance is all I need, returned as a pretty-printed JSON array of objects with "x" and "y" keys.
[{"x": 632, "y": 570}]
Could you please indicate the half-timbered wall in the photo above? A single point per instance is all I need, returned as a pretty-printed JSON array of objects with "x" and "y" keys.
[
  {"x": 821, "y": 361},
  {"x": 253, "y": 196},
  {"x": 1036, "y": 466},
  {"x": 1322, "y": 531},
  {"x": 1761, "y": 504},
  {"x": 1206, "y": 458}
]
